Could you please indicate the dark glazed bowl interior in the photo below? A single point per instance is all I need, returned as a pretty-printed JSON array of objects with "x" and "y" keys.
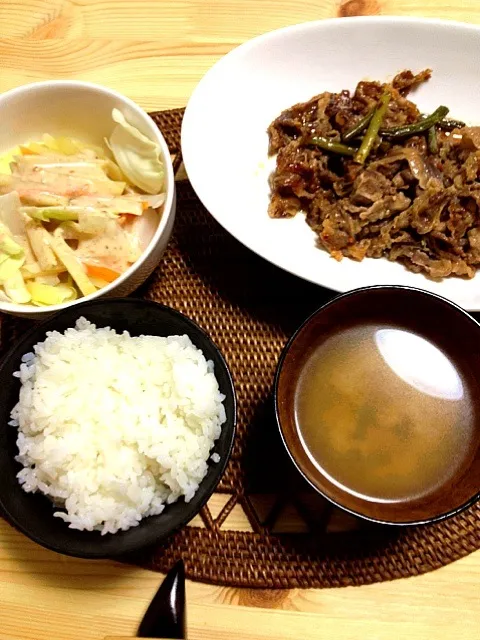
[
  {"x": 446, "y": 326},
  {"x": 32, "y": 513}
]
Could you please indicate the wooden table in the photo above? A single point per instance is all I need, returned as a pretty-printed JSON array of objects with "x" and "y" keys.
[{"x": 155, "y": 51}]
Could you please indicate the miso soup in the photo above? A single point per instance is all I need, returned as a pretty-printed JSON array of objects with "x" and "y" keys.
[{"x": 384, "y": 413}]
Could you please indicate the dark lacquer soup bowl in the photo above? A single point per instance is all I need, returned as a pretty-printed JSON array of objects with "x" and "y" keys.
[{"x": 377, "y": 398}]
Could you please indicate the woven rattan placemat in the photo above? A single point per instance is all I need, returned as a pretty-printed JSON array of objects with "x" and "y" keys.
[{"x": 264, "y": 527}]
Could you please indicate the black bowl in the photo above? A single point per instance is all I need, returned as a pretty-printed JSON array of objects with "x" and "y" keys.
[{"x": 33, "y": 513}]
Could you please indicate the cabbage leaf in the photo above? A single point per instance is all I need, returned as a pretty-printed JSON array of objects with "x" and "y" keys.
[{"x": 137, "y": 156}]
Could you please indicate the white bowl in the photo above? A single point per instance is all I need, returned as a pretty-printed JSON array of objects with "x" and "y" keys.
[
  {"x": 224, "y": 138},
  {"x": 83, "y": 110}
]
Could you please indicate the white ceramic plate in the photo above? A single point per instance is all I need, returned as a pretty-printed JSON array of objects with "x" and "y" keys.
[{"x": 224, "y": 138}]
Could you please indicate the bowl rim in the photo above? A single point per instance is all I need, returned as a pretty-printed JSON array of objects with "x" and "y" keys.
[
  {"x": 292, "y": 339},
  {"x": 220, "y": 466},
  {"x": 168, "y": 206}
]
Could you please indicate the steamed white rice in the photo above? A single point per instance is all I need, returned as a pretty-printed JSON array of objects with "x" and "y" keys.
[{"x": 113, "y": 427}]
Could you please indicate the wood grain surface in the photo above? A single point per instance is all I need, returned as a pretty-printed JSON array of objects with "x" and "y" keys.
[{"x": 155, "y": 51}]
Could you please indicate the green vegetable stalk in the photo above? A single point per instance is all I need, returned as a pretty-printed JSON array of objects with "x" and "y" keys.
[
  {"x": 332, "y": 145},
  {"x": 432, "y": 140},
  {"x": 448, "y": 124},
  {"x": 358, "y": 128},
  {"x": 373, "y": 128},
  {"x": 417, "y": 127}
]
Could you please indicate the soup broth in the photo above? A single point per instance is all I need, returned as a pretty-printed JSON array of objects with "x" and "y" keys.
[{"x": 384, "y": 413}]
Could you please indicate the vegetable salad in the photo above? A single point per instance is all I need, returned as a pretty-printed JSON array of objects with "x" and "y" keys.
[{"x": 73, "y": 216}]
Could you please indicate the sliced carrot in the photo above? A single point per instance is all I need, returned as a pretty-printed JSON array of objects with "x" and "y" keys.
[
  {"x": 26, "y": 151},
  {"x": 124, "y": 218},
  {"x": 102, "y": 273}
]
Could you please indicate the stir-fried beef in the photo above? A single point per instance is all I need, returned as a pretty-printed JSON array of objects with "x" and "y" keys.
[{"x": 415, "y": 199}]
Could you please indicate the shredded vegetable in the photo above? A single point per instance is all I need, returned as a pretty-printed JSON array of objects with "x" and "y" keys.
[
  {"x": 101, "y": 273},
  {"x": 67, "y": 257},
  {"x": 44, "y": 294},
  {"x": 137, "y": 156},
  {"x": 74, "y": 216},
  {"x": 16, "y": 289},
  {"x": 9, "y": 266}
]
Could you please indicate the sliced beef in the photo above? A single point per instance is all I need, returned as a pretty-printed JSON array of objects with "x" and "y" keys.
[
  {"x": 406, "y": 203},
  {"x": 405, "y": 81},
  {"x": 369, "y": 186}
]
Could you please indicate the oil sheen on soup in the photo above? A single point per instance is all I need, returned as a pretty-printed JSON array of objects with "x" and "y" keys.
[{"x": 383, "y": 413}]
